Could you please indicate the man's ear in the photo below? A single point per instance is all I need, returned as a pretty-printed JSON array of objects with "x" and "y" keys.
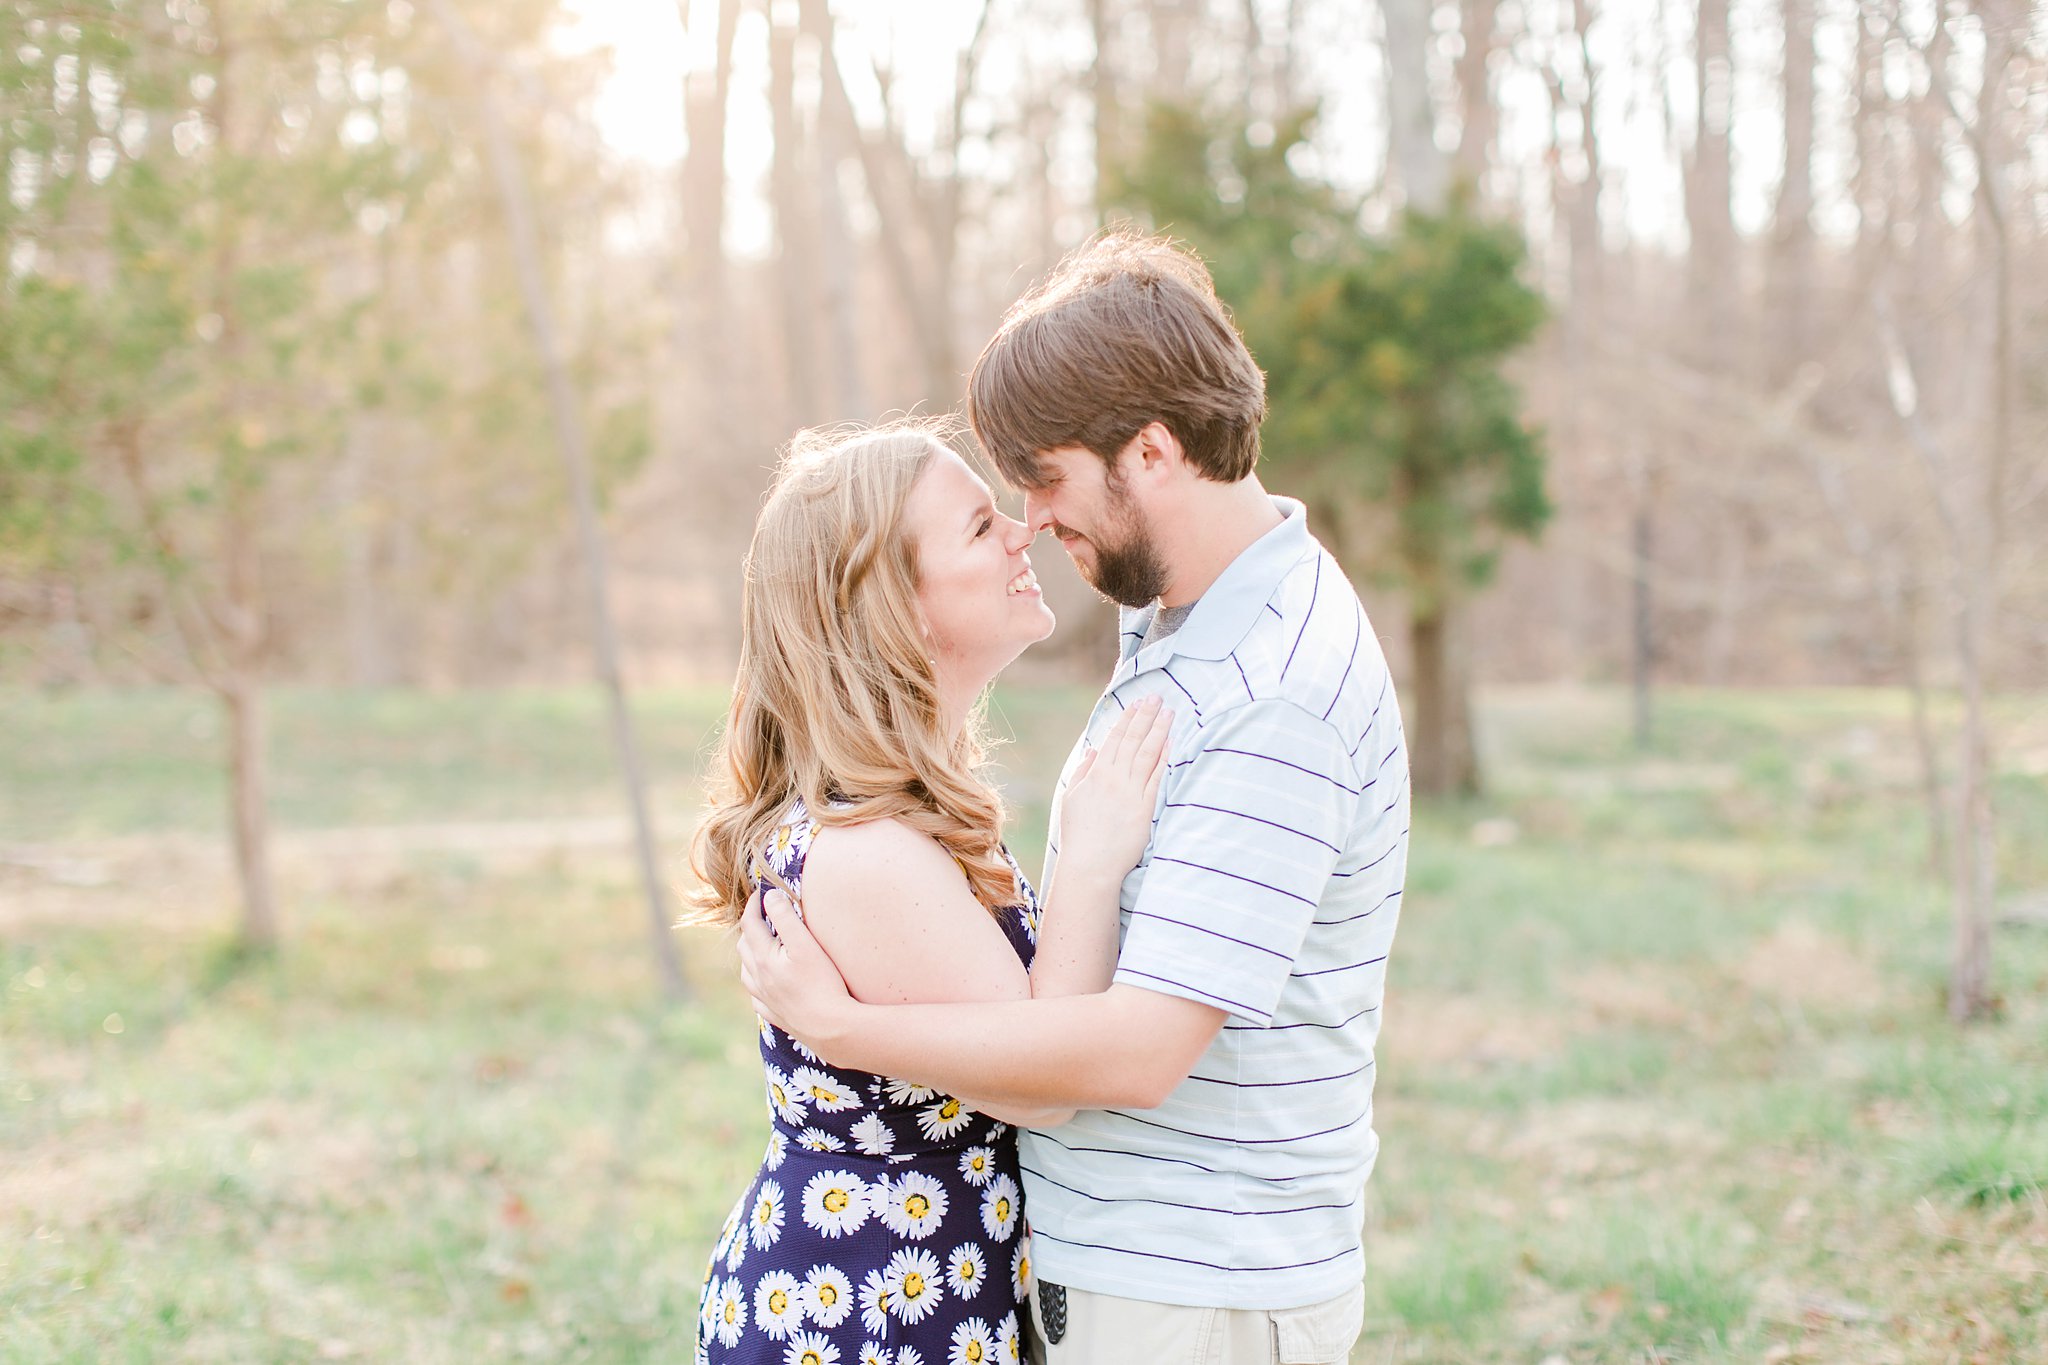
[{"x": 1155, "y": 450}]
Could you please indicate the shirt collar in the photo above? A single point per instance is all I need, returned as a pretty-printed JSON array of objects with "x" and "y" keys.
[{"x": 1225, "y": 613}]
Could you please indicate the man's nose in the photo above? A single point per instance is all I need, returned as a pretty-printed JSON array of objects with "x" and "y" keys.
[{"x": 1037, "y": 512}]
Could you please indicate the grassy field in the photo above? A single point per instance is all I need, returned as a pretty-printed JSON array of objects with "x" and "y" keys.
[{"x": 1665, "y": 1072}]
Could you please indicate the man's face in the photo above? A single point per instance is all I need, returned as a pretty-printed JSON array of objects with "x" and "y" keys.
[{"x": 1088, "y": 508}]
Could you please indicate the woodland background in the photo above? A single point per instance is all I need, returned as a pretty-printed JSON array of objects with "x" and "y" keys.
[{"x": 1669, "y": 373}]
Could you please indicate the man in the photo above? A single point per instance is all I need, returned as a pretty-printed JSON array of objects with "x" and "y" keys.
[{"x": 1205, "y": 1202}]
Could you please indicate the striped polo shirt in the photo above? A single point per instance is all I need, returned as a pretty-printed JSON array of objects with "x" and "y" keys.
[{"x": 1270, "y": 890}]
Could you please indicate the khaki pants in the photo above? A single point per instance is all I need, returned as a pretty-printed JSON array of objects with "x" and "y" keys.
[{"x": 1105, "y": 1330}]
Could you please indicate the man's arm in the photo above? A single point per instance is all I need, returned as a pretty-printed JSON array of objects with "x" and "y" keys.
[{"x": 1124, "y": 1047}]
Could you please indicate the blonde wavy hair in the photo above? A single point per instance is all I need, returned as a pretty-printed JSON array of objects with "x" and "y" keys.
[{"x": 835, "y": 700}]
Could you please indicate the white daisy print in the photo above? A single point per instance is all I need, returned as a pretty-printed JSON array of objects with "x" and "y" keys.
[
  {"x": 966, "y": 1268},
  {"x": 1020, "y": 1271},
  {"x": 978, "y": 1164},
  {"x": 912, "y": 1278},
  {"x": 828, "y": 1295},
  {"x": 909, "y": 1092},
  {"x": 825, "y": 1090},
  {"x": 874, "y": 1303},
  {"x": 999, "y": 1209},
  {"x": 778, "y": 1148},
  {"x": 737, "y": 1252},
  {"x": 913, "y": 1206},
  {"x": 908, "y": 1355},
  {"x": 973, "y": 1344},
  {"x": 732, "y": 1229},
  {"x": 785, "y": 1099},
  {"x": 810, "y": 1348},
  {"x": 1009, "y": 1341},
  {"x": 873, "y": 1136},
  {"x": 944, "y": 1119},
  {"x": 1029, "y": 914},
  {"x": 835, "y": 1202},
  {"x": 767, "y": 1030},
  {"x": 797, "y": 1044},
  {"x": 778, "y": 1304},
  {"x": 767, "y": 1219},
  {"x": 732, "y": 1312},
  {"x": 818, "y": 1140},
  {"x": 707, "y": 1310},
  {"x": 778, "y": 847},
  {"x": 872, "y": 1354}
]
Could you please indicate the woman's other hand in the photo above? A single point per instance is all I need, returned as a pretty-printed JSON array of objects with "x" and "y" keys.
[{"x": 1106, "y": 812}]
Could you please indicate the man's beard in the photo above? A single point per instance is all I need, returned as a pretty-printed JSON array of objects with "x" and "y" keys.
[{"x": 1129, "y": 572}]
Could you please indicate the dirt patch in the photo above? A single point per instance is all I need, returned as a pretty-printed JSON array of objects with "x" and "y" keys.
[
  {"x": 1637, "y": 996},
  {"x": 1462, "y": 1031},
  {"x": 1799, "y": 964},
  {"x": 178, "y": 880}
]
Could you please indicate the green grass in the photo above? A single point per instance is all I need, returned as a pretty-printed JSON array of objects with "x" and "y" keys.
[{"x": 1665, "y": 1073}]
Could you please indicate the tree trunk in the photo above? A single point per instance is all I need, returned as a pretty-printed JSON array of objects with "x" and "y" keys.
[
  {"x": 916, "y": 252},
  {"x": 1102, "y": 88},
  {"x": 1708, "y": 212},
  {"x": 838, "y": 259},
  {"x": 796, "y": 247},
  {"x": 1412, "y": 155},
  {"x": 1792, "y": 240},
  {"x": 248, "y": 804},
  {"x": 1481, "y": 120},
  {"x": 702, "y": 335},
  {"x": 516, "y": 200},
  {"x": 239, "y": 622},
  {"x": 1444, "y": 760},
  {"x": 1642, "y": 616}
]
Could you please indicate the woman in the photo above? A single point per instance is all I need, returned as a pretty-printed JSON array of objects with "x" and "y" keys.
[{"x": 884, "y": 592}]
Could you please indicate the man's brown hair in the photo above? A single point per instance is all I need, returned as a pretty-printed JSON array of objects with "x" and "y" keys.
[{"x": 1126, "y": 331}]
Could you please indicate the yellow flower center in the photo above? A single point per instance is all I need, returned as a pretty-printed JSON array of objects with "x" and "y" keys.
[
  {"x": 811, "y": 1358},
  {"x": 917, "y": 1206},
  {"x": 822, "y": 1095},
  {"x": 980, "y": 1164},
  {"x": 967, "y": 1270},
  {"x": 913, "y": 1286},
  {"x": 732, "y": 1310},
  {"x": 828, "y": 1294},
  {"x": 1002, "y": 1210},
  {"x": 835, "y": 1201},
  {"x": 974, "y": 1352},
  {"x": 778, "y": 1303},
  {"x": 950, "y": 1110}
]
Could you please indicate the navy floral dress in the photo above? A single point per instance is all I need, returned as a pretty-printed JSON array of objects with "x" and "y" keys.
[{"x": 885, "y": 1225}]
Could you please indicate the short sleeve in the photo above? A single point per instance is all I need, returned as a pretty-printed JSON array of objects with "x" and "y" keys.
[{"x": 1252, "y": 826}]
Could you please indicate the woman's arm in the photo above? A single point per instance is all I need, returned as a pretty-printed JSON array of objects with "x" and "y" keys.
[
  {"x": 1123, "y": 1047},
  {"x": 893, "y": 912}
]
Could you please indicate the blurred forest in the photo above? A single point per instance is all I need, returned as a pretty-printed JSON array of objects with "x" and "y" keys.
[
  {"x": 1661, "y": 341},
  {"x": 271, "y": 400}
]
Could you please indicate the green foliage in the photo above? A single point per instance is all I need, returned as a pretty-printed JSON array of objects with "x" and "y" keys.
[
  {"x": 1382, "y": 356},
  {"x": 246, "y": 242}
]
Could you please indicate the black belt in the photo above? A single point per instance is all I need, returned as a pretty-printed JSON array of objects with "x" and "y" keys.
[{"x": 1052, "y": 1310}]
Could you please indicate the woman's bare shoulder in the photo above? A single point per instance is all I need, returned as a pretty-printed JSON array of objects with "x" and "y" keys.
[{"x": 854, "y": 865}]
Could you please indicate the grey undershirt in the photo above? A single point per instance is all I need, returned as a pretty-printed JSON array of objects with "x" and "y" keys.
[{"x": 1165, "y": 621}]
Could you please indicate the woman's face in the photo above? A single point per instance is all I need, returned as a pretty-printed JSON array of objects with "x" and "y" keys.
[{"x": 981, "y": 603}]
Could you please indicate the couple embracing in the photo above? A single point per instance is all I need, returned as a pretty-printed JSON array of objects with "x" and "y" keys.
[{"x": 1127, "y": 1118}]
